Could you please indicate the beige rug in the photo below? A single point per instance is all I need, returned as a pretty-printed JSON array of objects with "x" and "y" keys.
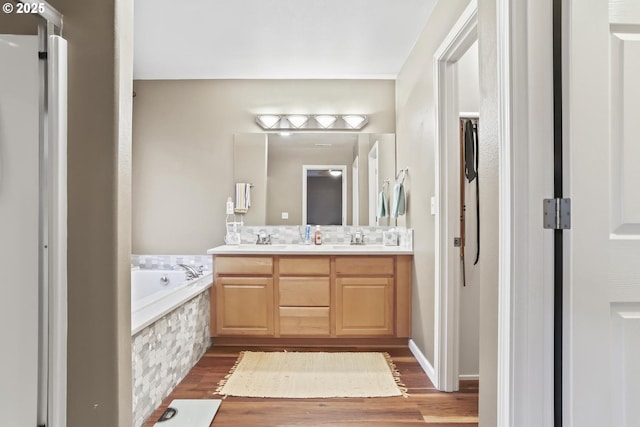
[{"x": 312, "y": 375}]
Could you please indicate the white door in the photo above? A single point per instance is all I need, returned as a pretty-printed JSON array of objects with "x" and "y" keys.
[
  {"x": 602, "y": 164},
  {"x": 19, "y": 172}
]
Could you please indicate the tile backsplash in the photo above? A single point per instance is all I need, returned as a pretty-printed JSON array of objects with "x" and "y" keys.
[
  {"x": 331, "y": 234},
  {"x": 168, "y": 262}
]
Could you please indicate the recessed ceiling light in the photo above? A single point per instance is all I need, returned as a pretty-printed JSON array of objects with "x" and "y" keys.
[
  {"x": 284, "y": 133},
  {"x": 334, "y": 172}
]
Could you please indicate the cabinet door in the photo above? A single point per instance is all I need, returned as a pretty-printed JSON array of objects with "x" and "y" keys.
[
  {"x": 364, "y": 306},
  {"x": 244, "y": 306}
]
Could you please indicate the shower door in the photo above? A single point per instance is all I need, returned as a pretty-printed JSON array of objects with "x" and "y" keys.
[{"x": 19, "y": 224}]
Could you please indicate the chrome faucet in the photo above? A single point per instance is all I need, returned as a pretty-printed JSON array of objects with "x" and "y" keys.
[
  {"x": 191, "y": 272},
  {"x": 263, "y": 238},
  {"x": 357, "y": 238}
]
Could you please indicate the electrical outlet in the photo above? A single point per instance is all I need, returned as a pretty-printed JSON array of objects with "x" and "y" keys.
[{"x": 285, "y": 215}]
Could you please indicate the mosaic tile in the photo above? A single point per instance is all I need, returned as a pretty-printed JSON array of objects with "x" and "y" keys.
[{"x": 168, "y": 349}]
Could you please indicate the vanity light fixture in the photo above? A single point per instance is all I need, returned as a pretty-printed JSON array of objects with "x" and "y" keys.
[
  {"x": 356, "y": 121},
  {"x": 297, "y": 121},
  {"x": 268, "y": 121},
  {"x": 311, "y": 122},
  {"x": 334, "y": 172},
  {"x": 325, "y": 120}
]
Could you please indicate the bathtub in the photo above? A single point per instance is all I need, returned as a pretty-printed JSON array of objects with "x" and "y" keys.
[
  {"x": 154, "y": 293},
  {"x": 169, "y": 333}
]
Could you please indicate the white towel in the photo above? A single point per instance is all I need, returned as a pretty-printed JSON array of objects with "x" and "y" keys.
[{"x": 243, "y": 196}]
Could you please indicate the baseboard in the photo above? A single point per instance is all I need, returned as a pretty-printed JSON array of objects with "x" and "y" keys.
[
  {"x": 423, "y": 362},
  {"x": 475, "y": 377}
]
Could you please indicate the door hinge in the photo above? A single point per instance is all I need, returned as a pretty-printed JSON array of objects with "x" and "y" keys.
[
  {"x": 557, "y": 214},
  {"x": 457, "y": 242}
]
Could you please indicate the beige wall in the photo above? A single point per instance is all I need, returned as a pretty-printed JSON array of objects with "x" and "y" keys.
[
  {"x": 469, "y": 81},
  {"x": 99, "y": 345},
  {"x": 415, "y": 139},
  {"x": 183, "y": 147},
  {"x": 100, "y": 49},
  {"x": 415, "y": 146},
  {"x": 284, "y": 192}
]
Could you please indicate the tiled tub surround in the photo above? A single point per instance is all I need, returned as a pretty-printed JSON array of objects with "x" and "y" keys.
[
  {"x": 331, "y": 234},
  {"x": 169, "y": 335},
  {"x": 167, "y": 262}
]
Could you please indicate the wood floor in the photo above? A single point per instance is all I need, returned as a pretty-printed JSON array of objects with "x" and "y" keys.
[{"x": 425, "y": 406}]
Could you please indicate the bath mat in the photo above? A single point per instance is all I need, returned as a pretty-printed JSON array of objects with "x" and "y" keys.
[
  {"x": 312, "y": 375},
  {"x": 189, "y": 413}
]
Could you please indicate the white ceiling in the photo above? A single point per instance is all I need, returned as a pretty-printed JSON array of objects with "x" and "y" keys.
[{"x": 216, "y": 39}]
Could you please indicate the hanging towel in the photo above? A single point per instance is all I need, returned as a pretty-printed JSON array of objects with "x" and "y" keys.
[
  {"x": 398, "y": 206},
  {"x": 243, "y": 196},
  {"x": 383, "y": 205}
]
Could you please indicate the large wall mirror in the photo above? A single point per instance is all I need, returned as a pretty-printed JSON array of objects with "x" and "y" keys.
[{"x": 295, "y": 176}]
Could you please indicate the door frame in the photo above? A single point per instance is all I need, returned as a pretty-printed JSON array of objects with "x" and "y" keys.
[
  {"x": 355, "y": 192},
  {"x": 373, "y": 171},
  {"x": 524, "y": 293},
  {"x": 524, "y": 33},
  {"x": 447, "y": 117}
]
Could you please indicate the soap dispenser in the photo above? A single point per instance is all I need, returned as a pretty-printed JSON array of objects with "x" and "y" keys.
[{"x": 317, "y": 236}]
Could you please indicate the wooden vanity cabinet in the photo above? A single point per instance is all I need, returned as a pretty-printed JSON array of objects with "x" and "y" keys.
[
  {"x": 312, "y": 296},
  {"x": 304, "y": 296},
  {"x": 243, "y": 296}
]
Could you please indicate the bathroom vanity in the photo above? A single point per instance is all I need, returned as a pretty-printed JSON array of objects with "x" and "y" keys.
[{"x": 295, "y": 291}]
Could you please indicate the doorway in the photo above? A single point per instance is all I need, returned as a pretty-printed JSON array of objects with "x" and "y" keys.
[
  {"x": 324, "y": 194},
  {"x": 456, "y": 305},
  {"x": 471, "y": 259}
]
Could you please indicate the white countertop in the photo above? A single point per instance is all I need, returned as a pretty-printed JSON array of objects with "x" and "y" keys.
[{"x": 299, "y": 249}]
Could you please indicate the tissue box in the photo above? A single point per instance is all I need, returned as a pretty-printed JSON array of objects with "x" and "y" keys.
[{"x": 390, "y": 238}]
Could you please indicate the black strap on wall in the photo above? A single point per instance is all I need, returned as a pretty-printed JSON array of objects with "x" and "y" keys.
[
  {"x": 471, "y": 163},
  {"x": 476, "y": 142},
  {"x": 557, "y": 193}
]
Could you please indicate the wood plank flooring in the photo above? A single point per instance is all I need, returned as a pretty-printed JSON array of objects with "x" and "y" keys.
[{"x": 425, "y": 406}]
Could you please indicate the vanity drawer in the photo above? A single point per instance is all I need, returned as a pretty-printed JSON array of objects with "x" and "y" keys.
[
  {"x": 304, "y": 291},
  {"x": 364, "y": 266},
  {"x": 304, "y": 321},
  {"x": 243, "y": 265},
  {"x": 304, "y": 266}
]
